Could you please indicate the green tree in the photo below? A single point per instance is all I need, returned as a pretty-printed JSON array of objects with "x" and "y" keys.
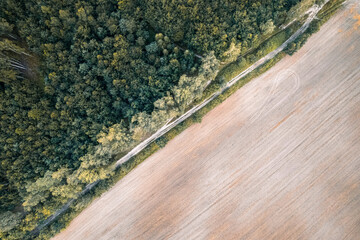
[{"x": 8, "y": 220}]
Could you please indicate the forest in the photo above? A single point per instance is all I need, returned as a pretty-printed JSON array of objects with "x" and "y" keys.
[{"x": 84, "y": 81}]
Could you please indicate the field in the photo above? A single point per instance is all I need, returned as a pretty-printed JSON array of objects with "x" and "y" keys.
[{"x": 279, "y": 159}]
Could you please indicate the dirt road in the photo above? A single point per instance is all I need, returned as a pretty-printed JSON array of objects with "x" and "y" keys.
[{"x": 279, "y": 159}]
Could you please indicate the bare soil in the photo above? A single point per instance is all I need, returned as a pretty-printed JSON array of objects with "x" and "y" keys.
[{"x": 279, "y": 159}]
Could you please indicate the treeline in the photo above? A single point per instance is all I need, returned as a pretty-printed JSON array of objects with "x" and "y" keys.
[
  {"x": 96, "y": 164},
  {"x": 84, "y": 81}
]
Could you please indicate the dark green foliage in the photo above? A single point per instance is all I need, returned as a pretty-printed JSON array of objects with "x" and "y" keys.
[
  {"x": 197, "y": 118},
  {"x": 100, "y": 64},
  {"x": 204, "y": 25},
  {"x": 113, "y": 72},
  {"x": 161, "y": 142}
]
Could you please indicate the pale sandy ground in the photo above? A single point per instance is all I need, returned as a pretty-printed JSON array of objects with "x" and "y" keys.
[{"x": 285, "y": 166}]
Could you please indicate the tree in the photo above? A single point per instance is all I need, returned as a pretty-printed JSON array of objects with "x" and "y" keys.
[
  {"x": 209, "y": 66},
  {"x": 112, "y": 72},
  {"x": 8, "y": 220},
  {"x": 39, "y": 190},
  {"x": 9, "y": 64},
  {"x": 267, "y": 28}
]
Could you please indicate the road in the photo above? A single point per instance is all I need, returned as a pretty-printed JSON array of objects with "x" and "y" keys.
[
  {"x": 289, "y": 173},
  {"x": 168, "y": 126}
]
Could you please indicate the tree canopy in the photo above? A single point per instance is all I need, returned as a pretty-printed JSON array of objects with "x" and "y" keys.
[{"x": 83, "y": 81}]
